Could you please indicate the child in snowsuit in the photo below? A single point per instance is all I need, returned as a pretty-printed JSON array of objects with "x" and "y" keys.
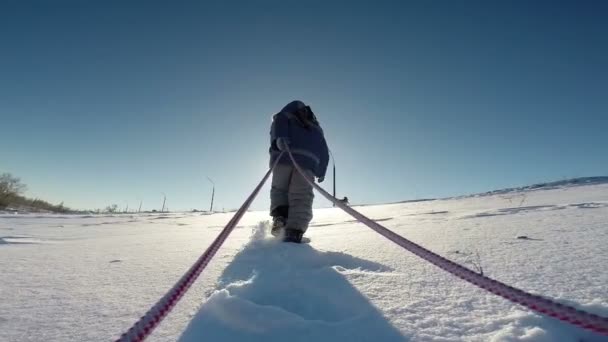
[{"x": 291, "y": 196}]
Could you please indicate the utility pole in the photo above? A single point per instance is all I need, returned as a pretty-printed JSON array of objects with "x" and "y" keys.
[
  {"x": 164, "y": 200},
  {"x": 212, "y": 194},
  {"x": 140, "y": 202},
  {"x": 334, "y": 164}
]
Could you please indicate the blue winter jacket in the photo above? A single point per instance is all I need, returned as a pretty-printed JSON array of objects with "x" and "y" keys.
[{"x": 306, "y": 140}]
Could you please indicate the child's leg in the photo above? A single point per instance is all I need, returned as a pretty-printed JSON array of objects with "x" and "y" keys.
[
  {"x": 279, "y": 202},
  {"x": 300, "y": 201}
]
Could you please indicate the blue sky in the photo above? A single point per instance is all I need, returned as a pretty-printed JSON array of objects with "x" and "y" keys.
[{"x": 115, "y": 102}]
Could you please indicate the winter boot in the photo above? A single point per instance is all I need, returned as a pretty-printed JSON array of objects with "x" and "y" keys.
[
  {"x": 278, "y": 224},
  {"x": 293, "y": 235}
]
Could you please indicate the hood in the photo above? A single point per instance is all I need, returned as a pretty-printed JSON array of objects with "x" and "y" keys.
[{"x": 293, "y": 106}]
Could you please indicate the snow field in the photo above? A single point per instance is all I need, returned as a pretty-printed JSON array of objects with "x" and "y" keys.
[{"x": 90, "y": 277}]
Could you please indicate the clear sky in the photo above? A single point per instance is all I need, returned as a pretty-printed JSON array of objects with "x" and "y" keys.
[{"x": 120, "y": 101}]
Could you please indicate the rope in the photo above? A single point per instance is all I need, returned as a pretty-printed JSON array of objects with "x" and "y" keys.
[
  {"x": 144, "y": 326},
  {"x": 536, "y": 303}
]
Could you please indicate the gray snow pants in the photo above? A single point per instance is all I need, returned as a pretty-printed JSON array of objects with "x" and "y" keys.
[{"x": 289, "y": 189}]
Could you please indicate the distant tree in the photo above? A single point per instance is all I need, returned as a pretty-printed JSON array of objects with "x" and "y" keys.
[
  {"x": 10, "y": 187},
  {"x": 60, "y": 208},
  {"x": 111, "y": 208}
]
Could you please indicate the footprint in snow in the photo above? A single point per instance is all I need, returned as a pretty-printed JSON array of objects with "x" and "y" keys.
[{"x": 524, "y": 237}]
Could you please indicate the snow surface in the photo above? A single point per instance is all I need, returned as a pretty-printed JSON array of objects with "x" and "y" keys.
[{"x": 91, "y": 277}]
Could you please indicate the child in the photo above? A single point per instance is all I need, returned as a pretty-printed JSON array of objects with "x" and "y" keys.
[{"x": 291, "y": 197}]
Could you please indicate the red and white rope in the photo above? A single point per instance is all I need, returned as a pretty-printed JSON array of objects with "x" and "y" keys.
[
  {"x": 536, "y": 303},
  {"x": 144, "y": 326}
]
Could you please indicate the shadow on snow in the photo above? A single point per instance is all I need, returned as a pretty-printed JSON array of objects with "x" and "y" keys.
[{"x": 275, "y": 291}]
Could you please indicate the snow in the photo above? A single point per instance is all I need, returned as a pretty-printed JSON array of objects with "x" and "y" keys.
[
  {"x": 263, "y": 295},
  {"x": 90, "y": 277}
]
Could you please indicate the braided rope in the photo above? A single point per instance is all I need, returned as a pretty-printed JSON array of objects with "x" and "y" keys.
[
  {"x": 144, "y": 326},
  {"x": 536, "y": 303}
]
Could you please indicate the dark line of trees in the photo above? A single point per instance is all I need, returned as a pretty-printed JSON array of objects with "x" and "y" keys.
[{"x": 11, "y": 190}]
